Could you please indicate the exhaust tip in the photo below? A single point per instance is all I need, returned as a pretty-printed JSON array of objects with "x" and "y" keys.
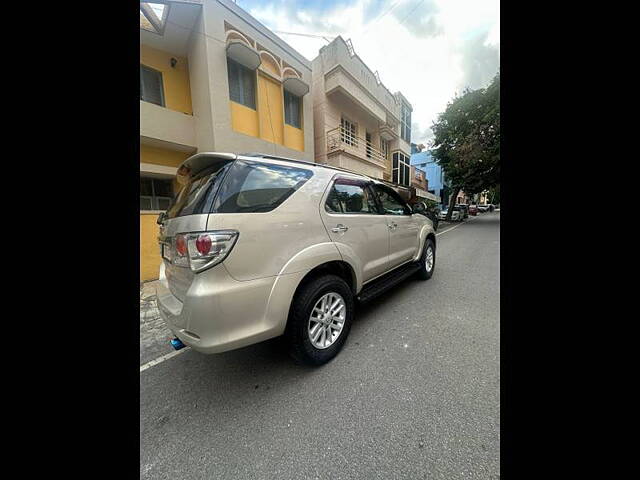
[{"x": 177, "y": 344}]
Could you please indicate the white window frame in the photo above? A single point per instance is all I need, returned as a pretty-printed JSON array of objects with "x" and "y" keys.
[
  {"x": 349, "y": 137},
  {"x": 398, "y": 173},
  {"x": 153, "y": 197}
]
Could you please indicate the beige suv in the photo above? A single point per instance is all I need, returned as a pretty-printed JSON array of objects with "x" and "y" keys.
[{"x": 256, "y": 246}]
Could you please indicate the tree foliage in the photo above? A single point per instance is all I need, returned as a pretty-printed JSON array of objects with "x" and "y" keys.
[{"x": 467, "y": 140}]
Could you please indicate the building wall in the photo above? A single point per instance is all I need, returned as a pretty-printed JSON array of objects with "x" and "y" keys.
[
  {"x": 198, "y": 86},
  {"x": 149, "y": 250},
  {"x": 230, "y": 127},
  {"x": 433, "y": 171},
  {"x": 177, "y": 92},
  {"x": 356, "y": 94}
]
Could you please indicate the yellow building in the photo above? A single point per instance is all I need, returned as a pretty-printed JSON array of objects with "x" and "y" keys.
[{"x": 212, "y": 78}]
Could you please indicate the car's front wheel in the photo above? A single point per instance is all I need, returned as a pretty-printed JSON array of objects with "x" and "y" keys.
[
  {"x": 427, "y": 262},
  {"x": 319, "y": 320}
]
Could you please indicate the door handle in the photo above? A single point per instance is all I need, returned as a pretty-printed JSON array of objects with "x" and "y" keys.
[
  {"x": 393, "y": 226},
  {"x": 339, "y": 228}
]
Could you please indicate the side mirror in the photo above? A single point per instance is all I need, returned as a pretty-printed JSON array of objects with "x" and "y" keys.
[
  {"x": 419, "y": 208},
  {"x": 161, "y": 218}
]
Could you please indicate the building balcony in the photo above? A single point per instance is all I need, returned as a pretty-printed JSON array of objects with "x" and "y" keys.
[
  {"x": 340, "y": 140},
  {"x": 337, "y": 80},
  {"x": 167, "y": 128},
  {"x": 387, "y": 133}
]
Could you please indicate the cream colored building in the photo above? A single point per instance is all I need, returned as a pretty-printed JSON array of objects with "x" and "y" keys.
[
  {"x": 358, "y": 123},
  {"x": 212, "y": 78}
]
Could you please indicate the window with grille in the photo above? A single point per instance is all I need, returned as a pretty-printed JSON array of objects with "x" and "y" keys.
[
  {"x": 292, "y": 110},
  {"x": 401, "y": 169},
  {"x": 348, "y": 132},
  {"x": 155, "y": 193},
  {"x": 368, "y": 139},
  {"x": 151, "y": 88},
  {"x": 242, "y": 84},
  {"x": 384, "y": 146},
  {"x": 405, "y": 125}
]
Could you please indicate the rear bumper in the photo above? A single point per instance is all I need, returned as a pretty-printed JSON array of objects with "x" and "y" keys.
[{"x": 219, "y": 313}]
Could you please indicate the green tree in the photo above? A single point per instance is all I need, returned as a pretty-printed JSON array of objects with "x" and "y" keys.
[{"x": 467, "y": 141}]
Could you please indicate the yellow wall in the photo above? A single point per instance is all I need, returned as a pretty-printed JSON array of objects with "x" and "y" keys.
[
  {"x": 244, "y": 119},
  {"x": 293, "y": 137},
  {"x": 270, "y": 110},
  {"x": 267, "y": 121},
  {"x": 177, "y": 92},
  {"x": 161, "y": 156},
  {"x": 149, "y": 248}
]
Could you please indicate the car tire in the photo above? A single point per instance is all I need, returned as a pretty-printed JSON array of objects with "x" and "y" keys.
[
  {"x": 300, "y": 323},
  {"x": 426, "y": 272}
]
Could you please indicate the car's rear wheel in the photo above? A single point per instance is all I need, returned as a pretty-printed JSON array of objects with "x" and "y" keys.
[
  {"x": 319, "y": 320},
  {"x": 428, "y": 260}
]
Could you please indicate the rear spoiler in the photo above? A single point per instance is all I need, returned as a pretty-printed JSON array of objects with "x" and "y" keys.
[{"x": 200, "y": 161}]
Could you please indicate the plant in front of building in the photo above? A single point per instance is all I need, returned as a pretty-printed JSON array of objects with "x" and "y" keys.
[{"x": 467, "y": 141}]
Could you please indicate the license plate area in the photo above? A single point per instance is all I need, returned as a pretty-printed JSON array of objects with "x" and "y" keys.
[{"x": 167, "y": 251}]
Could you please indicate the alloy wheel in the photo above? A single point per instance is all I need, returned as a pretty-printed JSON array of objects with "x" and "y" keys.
[{"x": 327, "y": 320}]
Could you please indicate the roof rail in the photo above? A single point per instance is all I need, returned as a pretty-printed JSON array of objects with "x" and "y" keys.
[
  {"x": 277, "y": 157},
  {"x": 305, "y": 162}
]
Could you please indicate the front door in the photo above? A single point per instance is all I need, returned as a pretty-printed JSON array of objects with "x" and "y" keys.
[
  {"x": 404, "y": 230},
  {"x": 354, "y": 223}
]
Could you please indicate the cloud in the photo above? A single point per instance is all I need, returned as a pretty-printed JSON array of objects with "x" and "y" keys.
[
  {"x": 419, "y": 18},
  {"x": 480, "y": 61},
  {"x": 427, "y": 49}
]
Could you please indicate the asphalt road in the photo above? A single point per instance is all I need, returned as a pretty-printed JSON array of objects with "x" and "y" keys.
[{"x": 414, "y": 394}]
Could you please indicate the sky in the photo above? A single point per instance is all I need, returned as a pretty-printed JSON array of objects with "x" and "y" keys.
[{"x": 427, "y": 49}]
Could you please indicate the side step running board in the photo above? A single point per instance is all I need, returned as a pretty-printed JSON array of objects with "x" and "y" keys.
[{"x": 384, "y": 283}]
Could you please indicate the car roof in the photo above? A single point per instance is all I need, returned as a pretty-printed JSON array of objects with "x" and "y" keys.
[
  {"x": 264, "y": 156},
  {"x": 200, "y": 160}
]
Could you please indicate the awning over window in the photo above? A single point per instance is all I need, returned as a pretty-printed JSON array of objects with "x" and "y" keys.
[
  {"x": 295, "y": 86},
  {"x": 243, "y": 54},
  {"x": 424, "y": 194}
]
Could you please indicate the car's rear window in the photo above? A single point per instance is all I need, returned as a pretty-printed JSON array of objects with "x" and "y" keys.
[
  {"x": 251, "y": 187},
  {"x": 197, "y": 195}
]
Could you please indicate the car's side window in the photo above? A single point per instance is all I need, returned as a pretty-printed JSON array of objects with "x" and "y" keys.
[
  {"x": 391, "y": 202},
  {"x": 350, "y": 196}
]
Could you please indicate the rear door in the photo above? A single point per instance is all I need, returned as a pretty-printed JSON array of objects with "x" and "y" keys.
[
  {"x": 403, "y": 227},
  {"x": 189, "y": 212},
  {"x": 355, "y": 224}
]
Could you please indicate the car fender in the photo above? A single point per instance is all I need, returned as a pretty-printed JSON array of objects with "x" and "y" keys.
[
  {"x": 349, "y": 256},
  {"x": 425, "y": 230},
  {"x": 288, "y": 280}
]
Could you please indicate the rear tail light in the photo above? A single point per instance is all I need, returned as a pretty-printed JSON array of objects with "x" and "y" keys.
[{"x": 202, "y": 250}]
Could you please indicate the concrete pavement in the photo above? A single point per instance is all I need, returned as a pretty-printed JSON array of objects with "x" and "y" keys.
[{"x": 414, "y": 394}]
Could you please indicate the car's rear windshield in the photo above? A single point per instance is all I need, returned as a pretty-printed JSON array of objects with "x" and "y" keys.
[
  {"x": 238, "y": 187},
  {"x": 252, "y": 187},
  {"x": 197, "y": 195}
]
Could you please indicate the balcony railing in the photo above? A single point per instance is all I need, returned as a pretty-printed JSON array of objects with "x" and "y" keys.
[{"x": 341, "y": 139}]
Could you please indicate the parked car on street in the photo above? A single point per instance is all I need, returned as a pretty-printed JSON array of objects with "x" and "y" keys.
[
  {"x": 464, "y": 208},
  {"x": 483, "y": 208},
  {"x": 473, "y": 210},
  {"x": 456, "y": 215},
  {"x": 257, "y": 246}
]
